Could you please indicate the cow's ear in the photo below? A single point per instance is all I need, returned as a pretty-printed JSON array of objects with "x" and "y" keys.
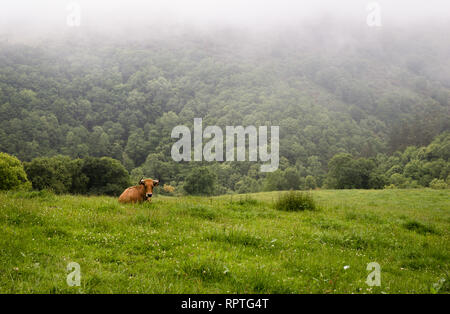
[
  {"x": 142, "y": 181},
  {"x": 155, "y": 182}
]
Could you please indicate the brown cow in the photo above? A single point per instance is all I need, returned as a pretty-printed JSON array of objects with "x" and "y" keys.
[{"x": 139, "y": 193}]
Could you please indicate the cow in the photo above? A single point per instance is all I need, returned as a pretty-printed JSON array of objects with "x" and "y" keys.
[{"x": 139, "y": 193}]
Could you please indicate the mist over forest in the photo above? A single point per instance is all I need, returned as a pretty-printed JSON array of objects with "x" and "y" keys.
[{"x": 357, "y": 107}]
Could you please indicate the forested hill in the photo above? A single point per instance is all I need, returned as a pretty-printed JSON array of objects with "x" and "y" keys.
[{"x": 362, "y": 93}]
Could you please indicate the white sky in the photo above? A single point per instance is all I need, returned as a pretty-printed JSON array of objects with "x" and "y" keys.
[{"x": 35, "y": 14}]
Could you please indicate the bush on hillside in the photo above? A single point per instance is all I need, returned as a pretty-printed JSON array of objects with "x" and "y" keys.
[
  {"x": 438, "y": 184},
  {"x": 12, "y": 174},
  {"x": 295, "y": 201}
]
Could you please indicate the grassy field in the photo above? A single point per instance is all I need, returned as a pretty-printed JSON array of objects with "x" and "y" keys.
[{"x": 237, "y": 244}]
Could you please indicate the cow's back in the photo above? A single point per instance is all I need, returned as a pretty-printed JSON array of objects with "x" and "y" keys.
[{"x": 130, "y": 195}]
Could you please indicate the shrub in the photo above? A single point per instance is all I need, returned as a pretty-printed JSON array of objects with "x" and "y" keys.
[
  {"x": 438, "y": 184},
  {"x": 168, "y": 189},
  {"x": 411, "y": 184},
  {"x": 295, "y": 201},
  {"x": 247, "y": 201},
  {"x": 42, "y": 194},
  {"x": 12, "y": 174},
  {"x": 419, "y": 227},
  {"x": 397, "y": 179}
]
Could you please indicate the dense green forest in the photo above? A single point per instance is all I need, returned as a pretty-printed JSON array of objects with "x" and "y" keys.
[{"x": 368, "y": 109}]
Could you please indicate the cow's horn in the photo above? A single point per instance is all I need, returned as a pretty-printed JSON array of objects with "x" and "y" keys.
[{"x": 141, "y": 181}]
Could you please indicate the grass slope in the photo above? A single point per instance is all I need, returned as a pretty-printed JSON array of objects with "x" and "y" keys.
[{"x": 237, "y": 244}]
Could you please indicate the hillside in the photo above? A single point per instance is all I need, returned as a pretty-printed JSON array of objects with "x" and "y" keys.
[
  {"x": 227, "y": 244},
  {"x": 331, "y": 90}
]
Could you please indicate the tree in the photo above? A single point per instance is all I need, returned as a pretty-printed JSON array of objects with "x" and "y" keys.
[
  {"x": 123, "y": 103},
  {"x": 137, "y": 147},
  {"x": 246, "y": 185},
  {"x": 12, "y": 174},
  {"x": 79, "y": 179},
  {"x": 274, "y": 181},
  {"x": 345, "y": 172},
  {"x": 310, "y": 182},
  {"x": 50, "y": 173},
  {"x": 80, "y": 176},
  {"x": 201, "y": 181},
  {"x": 105, "y": 176},
  {"x": 341, "y": 173},
  {"x": 291, "y": 179}
]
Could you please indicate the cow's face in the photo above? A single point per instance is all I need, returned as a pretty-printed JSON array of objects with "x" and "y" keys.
[{"x": 148, "y": 184}]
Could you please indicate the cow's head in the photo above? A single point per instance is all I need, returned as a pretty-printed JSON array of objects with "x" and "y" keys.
[{"x": 148, "y": 184}]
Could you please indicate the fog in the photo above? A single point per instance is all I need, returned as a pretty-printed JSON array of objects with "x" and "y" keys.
[{"x": 31, "y": 17}]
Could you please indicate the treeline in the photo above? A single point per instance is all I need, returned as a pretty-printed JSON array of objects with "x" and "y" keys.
[
  {"x": 414, "y": 167},
  {"x": 63, "y": 175},
  {"x": 79, "y": 176},
  {"x": 94, "y": 97}
]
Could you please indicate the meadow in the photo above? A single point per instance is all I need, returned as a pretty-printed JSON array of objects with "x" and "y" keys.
[{"x": 226, "y": 244}]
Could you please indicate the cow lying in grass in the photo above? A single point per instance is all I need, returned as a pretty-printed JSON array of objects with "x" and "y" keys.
[{"x": 139, "y": 193}]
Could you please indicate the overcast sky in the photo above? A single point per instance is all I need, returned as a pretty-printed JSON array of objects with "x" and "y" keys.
[{"x": 40, "y": 14}]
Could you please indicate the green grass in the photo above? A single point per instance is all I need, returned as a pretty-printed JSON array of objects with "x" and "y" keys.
[
  {"x": 295, "y": 201},
  {"x": 226, "y": 244}
]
